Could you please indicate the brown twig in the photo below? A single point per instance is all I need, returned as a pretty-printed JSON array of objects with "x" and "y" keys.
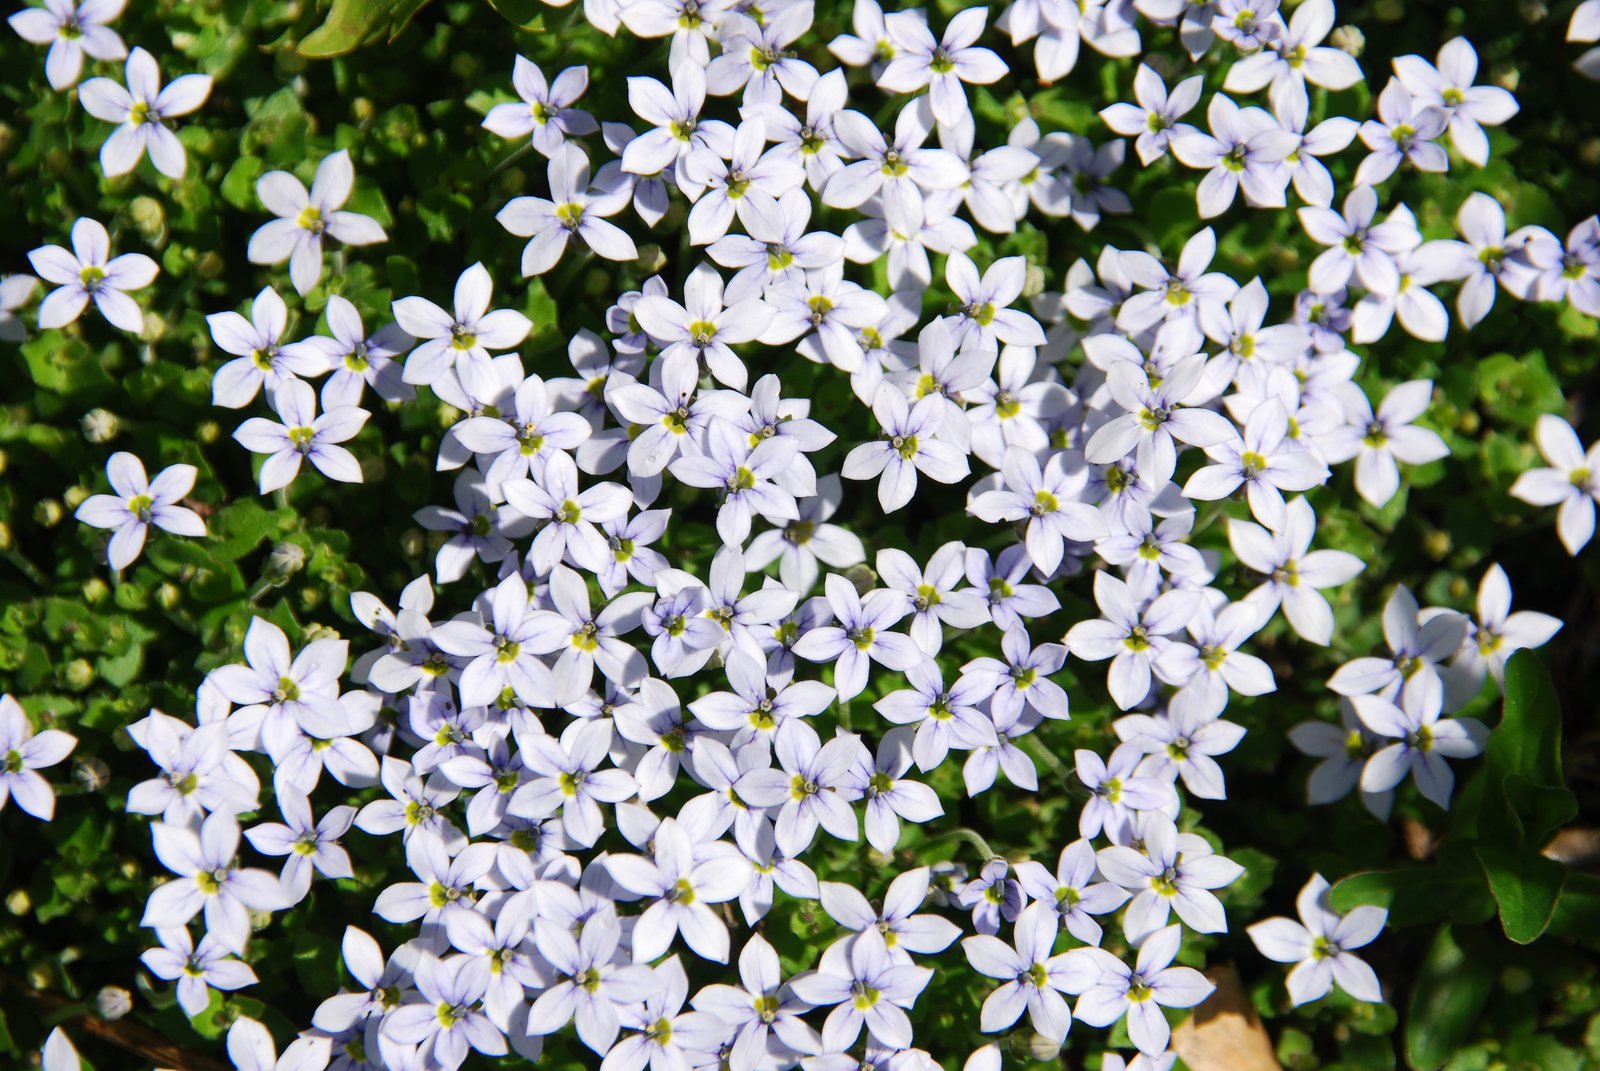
[{"x": 126, "y": 1034}]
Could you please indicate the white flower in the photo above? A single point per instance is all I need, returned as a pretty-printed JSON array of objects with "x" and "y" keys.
[
  {"x": 1294, "y": 573},
  {"x": 303, "y": 435},
  {"x": 909, "y": 445},
  {"x": 546, "y": 113},
  {"x": 1449, "y": 88},
  {"x": 1423, "y": 740},
  {"x": 89, "y": 271},
  {"x": 22, "y": 752},
  {"x": 1378, "y": 440},
  {"x": 197, "y": 970},
  {"x": 15, "y": 292},
  {"x": 139, "y": 503},
  {"x": 58, "y": 1053},
  {"x": 1319, "y": 946},
  {"x": 1571, "y": 481},
  {"x": 1497, "y": 633},
  {"x": 1111, "y": 989},
  {"x": 462, "y": 338},
  {"x": 1155, "y": 118},
  {"x": 143, "y": 111},
  {"x": 304, "y": 218},
  {"x": 573, "y": 211},
  {"x": 942, "y": 66},
  {"x": 72, "y": 30}
]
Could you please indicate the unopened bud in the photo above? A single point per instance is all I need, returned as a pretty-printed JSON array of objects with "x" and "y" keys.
[
  {"x": 78, "y": 674},
  {"x": 362, "y": 109},
  {"x": 6, "y": 541},
  {"x": 651, "y": 259},
  {"x": 320, "y": 632},
  {"x": 1033, "y": 280},
  {"x": 210, "y": 266},
  {"x": 168, "y": 596},
  {"x": 207, "y": 432},
  {"x": 48, "y": 512},
  {"x": 154, "y": 329},
  {"x": 286, "y": 559},
  {"x": 1348, "y": 39},
  {"x": 149, "y": 218},
  {"x": 19, "y": 903},
  {"x": 100, "y": 425},
  {"x": 95, "y": 590},
  {"x": 74, "y": 495},
  {"x": 1436, "y": 544},
  {"x": 1043, "y": 1049},
  {"x": 92, "y": 774},
  {"x": 113, "y": 1002},
  {"x": 862, "y": 577}
]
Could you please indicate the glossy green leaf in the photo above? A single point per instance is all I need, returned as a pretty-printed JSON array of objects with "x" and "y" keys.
[
  {"x": 1454, "y": 984},
  {"x": 349, "y": 24},
  {"x": 1526, "y": 887}
]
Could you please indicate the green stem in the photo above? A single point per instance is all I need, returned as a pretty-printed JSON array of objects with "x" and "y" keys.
[
  {"x": 972, "y": 837},
  {"x": 1036, "y": 747},
  {"x": 27, "y": 568},
  {"x": 1207, "y": 518}
]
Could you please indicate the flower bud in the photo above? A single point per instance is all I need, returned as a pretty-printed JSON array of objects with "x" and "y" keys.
[
  {"x": 95, "y": 591},
  {"x": 74, "y": 496},
  {"x": 48, "y": 512},
  {"x": 149, "y": 218},
  {"x": 210, "y": 266},
  {"x": 1348, "y": 39},
  {"x": 19, "y": 903},
  {"x": 207, "y": 432},
  {"x": 100, "y": 425},
  {"x": 362, "y": 109},
  {"x": 154, "y": 329},
  {"x": 1033, "y": 280},
  {"x": 78, "y": 674},
  {"x": 5, "y": 462},
  {"x": 92, "y": 774},
  {"x": 6, "y": 542},
  {"x": 113, "y": 1002},
  {"x": 651, "y": 259},
  {"x": 168, "y": 596},
  {"x": 311, "y": 598},
  {"x": 862, "y": 576},
  {"x": 413, "y": 542},
  {"x": 285, "y": 560},
  {"x": 1436, "y": 544},
  {"x": 1042, "y": 1048}
]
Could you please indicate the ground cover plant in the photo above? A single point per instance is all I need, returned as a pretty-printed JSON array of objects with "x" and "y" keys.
[{"x": 711, "y": 534}]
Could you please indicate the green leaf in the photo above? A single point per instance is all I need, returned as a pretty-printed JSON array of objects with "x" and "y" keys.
[
  {"x": 523, "y": 13},
  {"x": 1528, "y": 739},
  {"x": 66, "y": 366},
  {"x": 241, "y": 527},
  {"x": 347, "y": 27},
  {"x": 1526, "y": 887},
  {"x": 1451, "y": 990},
  {"x": 1452, "y": 888},
  {"x": 239, "y": 184},
  {"x": 1577, "y": 912}
]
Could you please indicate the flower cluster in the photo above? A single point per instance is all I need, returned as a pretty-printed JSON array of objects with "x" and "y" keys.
[{"x": 585, "y": 753}]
